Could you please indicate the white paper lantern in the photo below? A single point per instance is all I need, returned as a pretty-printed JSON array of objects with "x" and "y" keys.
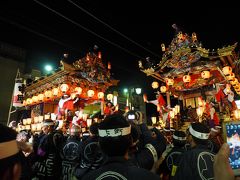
[
  {"x": 48, "y": 94},
  {"x": 205, "y": 74},
  {"x": 169, "y": 81},
  {"x": 155, "y": 85},
  {"x": 186, "y": 78},
  {"x": 90, "y": 93},
  {"x": 234, "y": 81},
  {"x": 110, "y": 97},
  {"x": 35, "y": 99},
  {"x": 40, "y": 97},
  {"x": 163, "y": 89},
  {"x": 100, "y": 95},
  {"x": 55, "y": 91},
  {"x": 231, "y": 76},
  {"x": 64, "y": 88},
  {"x": 78, "y": 90},
  {"x": 227, "y": 70}
]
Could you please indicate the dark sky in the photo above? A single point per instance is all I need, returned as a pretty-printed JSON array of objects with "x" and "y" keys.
[{"x": 146, "y": 22}]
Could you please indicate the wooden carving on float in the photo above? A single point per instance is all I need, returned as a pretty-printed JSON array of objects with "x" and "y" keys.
[
  {"x": 92, "y": 69},
  {"x": 185, "y": 55},
  {"x": 182, "y": 51}
]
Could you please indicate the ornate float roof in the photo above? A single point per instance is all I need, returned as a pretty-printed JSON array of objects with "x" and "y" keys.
[
  {"x": 186, "y": 55},
  {"x": 88, "y": 72}
]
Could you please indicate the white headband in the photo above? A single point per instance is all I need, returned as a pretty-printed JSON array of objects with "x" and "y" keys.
[
  {"x": 214, "y": 130},
  {"x": 114, "y": 132},
  {"x": 48, "y": 124},
  {"x": 167, "y": 130},
  {"x": 198, "y": 134},
  {"x": 8, "y": 149},
  {"x": 179, "y": 138}
]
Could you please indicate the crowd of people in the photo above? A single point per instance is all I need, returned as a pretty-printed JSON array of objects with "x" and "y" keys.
[{"x": 116, "y": 148}]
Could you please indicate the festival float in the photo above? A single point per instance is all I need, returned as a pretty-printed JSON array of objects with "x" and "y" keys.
[
  {"x": 73, "y": 94},
  {"x": 203, "y": 80}
]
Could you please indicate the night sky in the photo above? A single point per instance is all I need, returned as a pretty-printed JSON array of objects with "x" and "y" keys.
[{"x": 149, "y": 23}]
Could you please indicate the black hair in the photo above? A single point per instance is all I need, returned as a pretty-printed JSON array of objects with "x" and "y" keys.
[
  {"x": 94, "y": 128},
  {"x": 7, "y": 164},
  {"x": 115, "y": 146},
  {"x": 178, "y": 143},
  {"x": 199, "y": 127}
]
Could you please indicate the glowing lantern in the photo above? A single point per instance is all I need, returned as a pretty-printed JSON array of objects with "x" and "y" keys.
[
  {"x": 163, "y": 89},
  {"x": 33, "y": 127},
  {"x": 154, "y": 120},
  {"x": 186, "y": 78},
  {"x": 163, "y": 47},
  {"x": 39, "y": 127},
  {"x": 73, "y": 95},
  {"x": 169, "y": 81},
  {"x": 237, "y": 114},
  {"x": 78, "y": 90},
  {"x": 177, "y": 107},
  {"x": 55, "y": 91},
  {"x": 29, "y": 120},
  {"x": 64, "y": 88},
  {"x": 35, "y": 99},
  {"x": 36, "y": 119},
  {"x": 40, "y": 97},
  {"x": 110, "y": 97},
  {"x": 100, "y": 95},
  {"x": 28, "y": 127},
  {"x": 40, "y": 119},
  {"x": 155, "y": 85},
  {"x": 234, "y": 81},
  {"x": 109, "y": 65},
  {"x": 29, "y": 101},
  {"x": 231, "y": 76},
  {"x": 90, "y": 93},
  {"x": 48, "y": 94},
  {"x": 237, "y": 88},
  {"x": 89, "y": 122},
  {"x": 194, "y": 36},
  {"x": 227, "y": 70},
  {"x": 205, "y": 74},
  {"x": 24, "y": 121}
]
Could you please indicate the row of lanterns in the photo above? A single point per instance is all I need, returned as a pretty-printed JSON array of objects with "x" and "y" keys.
[
  {"x": 186, "y": 79},
  {"x": 56, "y": 92},
  {"x": 227, "y": 71}
]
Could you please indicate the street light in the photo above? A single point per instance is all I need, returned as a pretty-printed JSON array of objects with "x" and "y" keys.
[
  {"x": 48, "y": 68},
  {"x": 125, "y": 90}
]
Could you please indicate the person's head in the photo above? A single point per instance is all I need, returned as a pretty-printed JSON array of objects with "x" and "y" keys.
[
  {"x": 47, "y": 126},
  {"x": 115, "y": 135},
  {"x": 198, "y": 134},
  {"x": 93, "y": 129},
  {"x": 109, "y": 104},
  {"x": 23, "y": 136},
  {"x": 10, "y": 165},
  {"x": 75, "y": 131},
  {"x": 179, "y": 138}
]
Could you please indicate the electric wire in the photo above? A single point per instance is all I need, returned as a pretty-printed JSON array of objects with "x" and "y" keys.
[
  {"x": 113, "y": 29},
  {"x": 88, "y": 30},
  {"x": 36, "y": 32}
]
